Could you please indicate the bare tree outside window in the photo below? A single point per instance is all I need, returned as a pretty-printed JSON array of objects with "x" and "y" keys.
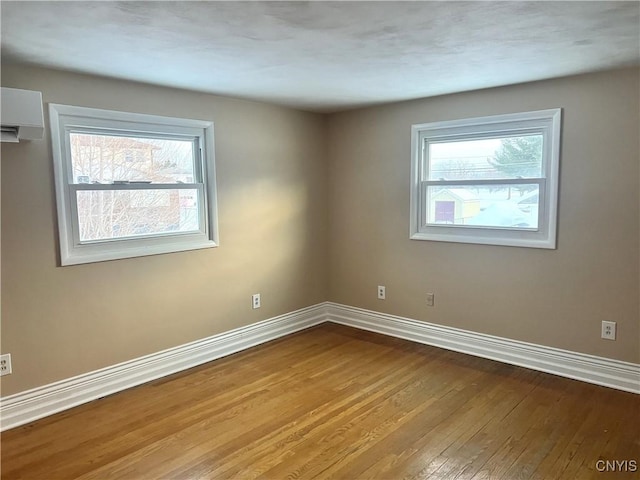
[{"x": 107, "y": 214}]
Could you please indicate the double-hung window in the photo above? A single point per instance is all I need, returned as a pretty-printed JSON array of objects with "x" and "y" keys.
[
  {"x": 489, "y": 180},
  {"x": 129, "y": 185}
]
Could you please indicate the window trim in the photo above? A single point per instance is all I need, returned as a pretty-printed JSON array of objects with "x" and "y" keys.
[
  {"x": 547, "y": 122},
  {"x": 66, "y": 118}
]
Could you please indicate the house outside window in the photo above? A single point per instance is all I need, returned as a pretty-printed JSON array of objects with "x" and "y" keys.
[
  {"x": 488, "y": 180},
  {"x": 130, "y": 185}
]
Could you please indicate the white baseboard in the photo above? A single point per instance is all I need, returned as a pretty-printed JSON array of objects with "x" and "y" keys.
[
  {"x": 579, "y": 366},
  {"x": 25, "y": 407}
]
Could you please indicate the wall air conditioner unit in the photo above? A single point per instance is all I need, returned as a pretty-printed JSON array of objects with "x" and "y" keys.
[{"x": 21, "y": 115}]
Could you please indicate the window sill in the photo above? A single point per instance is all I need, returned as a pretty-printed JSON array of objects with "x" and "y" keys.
[
  {"x": 99, "y": 253},
  {"x": 519, "y": 239}
]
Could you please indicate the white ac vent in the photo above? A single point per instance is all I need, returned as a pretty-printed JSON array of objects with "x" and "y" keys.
[{"x": 21, "y": 116}]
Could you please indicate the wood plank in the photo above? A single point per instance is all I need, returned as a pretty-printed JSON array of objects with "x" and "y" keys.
[{"x": 335, "y": 402}]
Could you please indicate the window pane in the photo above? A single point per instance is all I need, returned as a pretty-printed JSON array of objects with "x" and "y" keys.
[
  {"x": 492, "y": 158},
  {"x": 108, "y": 159},
  {"x": 499, "y": 206},
  {"x": 105, "y": 214}
]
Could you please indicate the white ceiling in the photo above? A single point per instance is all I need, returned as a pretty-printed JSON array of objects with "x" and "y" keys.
[{"x": 324, "y": 56}]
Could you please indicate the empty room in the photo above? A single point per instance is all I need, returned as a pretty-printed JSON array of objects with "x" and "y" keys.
[{"x": 314, "y": 240}]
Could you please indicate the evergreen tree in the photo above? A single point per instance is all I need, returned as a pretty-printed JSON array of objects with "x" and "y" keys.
[{"x": 519, "y": 156}]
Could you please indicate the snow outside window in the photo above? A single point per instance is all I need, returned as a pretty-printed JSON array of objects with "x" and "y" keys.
[{"x": 489, "y": 180}]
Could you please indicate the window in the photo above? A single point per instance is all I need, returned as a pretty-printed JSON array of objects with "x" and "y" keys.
[
  {"x": 129, "y": 185},
  {"x": 490, "y": 180}
]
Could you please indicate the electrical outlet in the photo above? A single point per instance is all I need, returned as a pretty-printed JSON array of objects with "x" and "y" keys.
[
  {"x": 255, "y": 301},
  {"x": 430, "y": 299},
  {"x": 608, "y": 330},
  {"x": 5, "y": 364},
  {"x": 382, "y": 292}
]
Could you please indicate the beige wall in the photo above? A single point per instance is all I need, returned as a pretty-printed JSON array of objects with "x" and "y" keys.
[
  {"x": 549, "y": 297},
  {"x": 310, "y": 212},
  {"x": 62, "y": 321}
]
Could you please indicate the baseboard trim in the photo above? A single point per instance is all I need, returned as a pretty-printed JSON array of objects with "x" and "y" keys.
[
  {"x": 25, "y": 407},
  {"x": 579, "y": 366}
]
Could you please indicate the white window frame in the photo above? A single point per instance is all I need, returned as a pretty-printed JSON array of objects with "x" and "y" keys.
[
  {"x": 545, "y": 122},
  {"x": 66, "y": 119}
]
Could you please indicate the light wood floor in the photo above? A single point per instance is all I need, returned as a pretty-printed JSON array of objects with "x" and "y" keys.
[{"x": 333, "y": 402}]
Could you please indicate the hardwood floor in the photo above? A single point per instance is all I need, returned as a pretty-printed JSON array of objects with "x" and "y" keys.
[{"x": 333, "y": 402}]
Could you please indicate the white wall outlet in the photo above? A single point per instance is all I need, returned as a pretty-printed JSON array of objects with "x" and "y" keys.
[
  {"x": 255, "y": 301},
  {"x": 382, "y": 292},
  {"x": 608, "y": 330},
  {"x": 430, "y": 299},
  {"x": 5, "y": 364}
]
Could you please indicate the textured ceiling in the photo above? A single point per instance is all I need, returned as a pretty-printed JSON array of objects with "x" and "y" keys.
[{"x": 324, "y": 56}]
